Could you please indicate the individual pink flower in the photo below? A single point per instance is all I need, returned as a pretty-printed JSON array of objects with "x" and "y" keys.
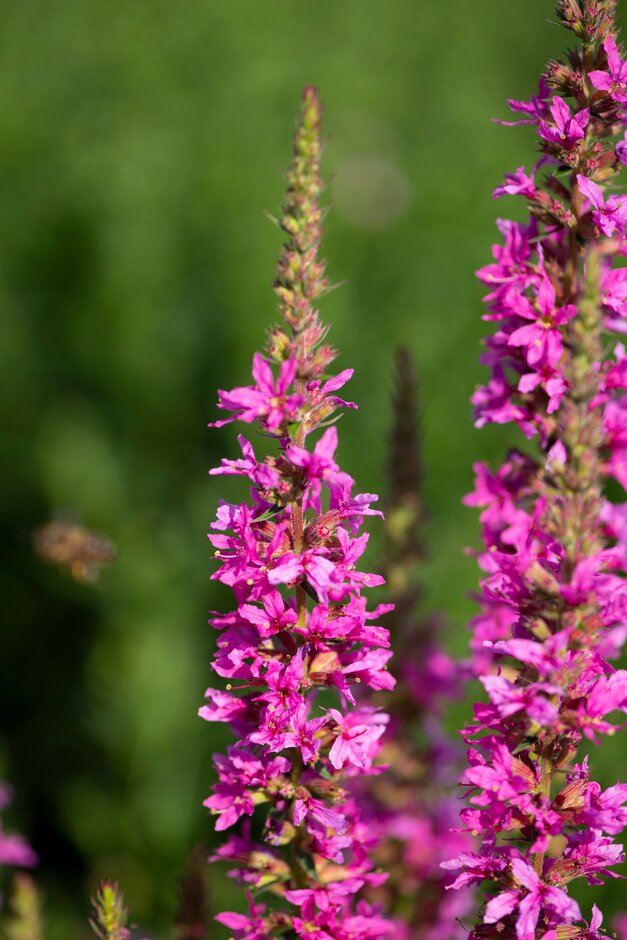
[
  {"x": 567, "y": 128},
  {"x": 609, "y": 216},
  {"x": 542, "y": 338},
  {"x": 613, "y": 82},
  {"x": 517, "y": 184},
  {"x": 266, "y": 400},
  {"x": 272, "y": 617},
  {"x": 313, "y": 565},
  {"x": 356, "y": 734},
  {"x": 621, "y": 150},
  {"x": 540, "y": 896},
  {"x": 260, "y": 473}
]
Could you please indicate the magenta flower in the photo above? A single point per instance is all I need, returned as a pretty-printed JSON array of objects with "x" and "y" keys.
[
  {"x": 292, "y": 730},
  {"x": 517, "y": 184},
  {"x": 312, "y": 565},
  {"x": 246, "y": 927},
  {"x": 272, "y": 617},
  {"x": 319, "y": 463},
  {"x": 567, "y": 129},
  {"x": 534, "y": 699},
  {"x": 540, "y": 897},
  {"x": 284, "y": 682},
  {"x": 613, "y": 82},
  {"x": 550, "y": 380},
  {"x": 266, "y": 400},
  {"x": 609, "y": 216},
  {"x": 542, "y": 338},
  {"x": 614, "y": 298},
  {"x": 262, "y": 475},
  {"x": 357, "y": 734}
]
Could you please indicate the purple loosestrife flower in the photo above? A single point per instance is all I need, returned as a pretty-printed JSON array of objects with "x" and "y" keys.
[
  {"x": 564, "y": 128},
  {"x": 300, "y": 624},
  {"x": 609, "y": 216},
  {"x": 614, "y": 80},
  {"x": 554, "y": 597},
  {"x": 409, "y": 809}
]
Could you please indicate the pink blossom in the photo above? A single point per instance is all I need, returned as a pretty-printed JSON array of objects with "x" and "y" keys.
[
  {"x": 540, "y": 896},
  {"x": 567, "y": 129},
  {"x": 260, "y": 473},
  {"x": 313, "y": 565},
  {"x": 266, "y": 400},
  {"x": 272, "y": 617},
  {"x": 293, "y": 730},
  {"x": 319, "y": 463},
  {"x": 534, "y": 698},
  {"x": 517, "y": 184},
  {"x": 246, "y": 927},
  {"x": 610, "y": 216},
  {"x": 614, "y": 298},
  {"x": 356, "y": 736},
  {"x": 614, "y": 82},
  {"x": 542, "y": 338},
  {"x": 284, "y": 682}
]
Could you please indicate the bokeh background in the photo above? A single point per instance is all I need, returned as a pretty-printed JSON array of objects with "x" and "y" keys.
[{"x": 141, "y": 145}]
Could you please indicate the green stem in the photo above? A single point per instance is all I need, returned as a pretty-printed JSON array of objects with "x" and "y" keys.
[{"x": 546, "y": 767}]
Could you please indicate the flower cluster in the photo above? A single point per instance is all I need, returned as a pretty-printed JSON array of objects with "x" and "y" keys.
[
  {"x": 301, "y": 639},
  {"x": 411, "y": 807},
  {"x": 554, "y": 597}
]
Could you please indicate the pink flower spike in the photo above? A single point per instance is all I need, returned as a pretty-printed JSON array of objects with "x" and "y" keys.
[
  {"x": 553, "y": 588},
  {"x": 300, "y": 628}
]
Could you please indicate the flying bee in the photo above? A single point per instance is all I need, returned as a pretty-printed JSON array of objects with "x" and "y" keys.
[{"x": 75, "y": 548}]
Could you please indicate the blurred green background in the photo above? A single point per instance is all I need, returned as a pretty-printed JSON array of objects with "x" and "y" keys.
[{"x": 141, "y": 144}]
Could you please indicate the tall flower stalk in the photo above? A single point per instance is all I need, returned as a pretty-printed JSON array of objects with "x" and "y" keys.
[
  {"x": 553, "y": 592},
  {"x": 412, "y": 806},
  {"x": 300, "y": 638}
]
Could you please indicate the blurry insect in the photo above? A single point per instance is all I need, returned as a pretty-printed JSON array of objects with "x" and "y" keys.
[{"x": 79, "y": 550}]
